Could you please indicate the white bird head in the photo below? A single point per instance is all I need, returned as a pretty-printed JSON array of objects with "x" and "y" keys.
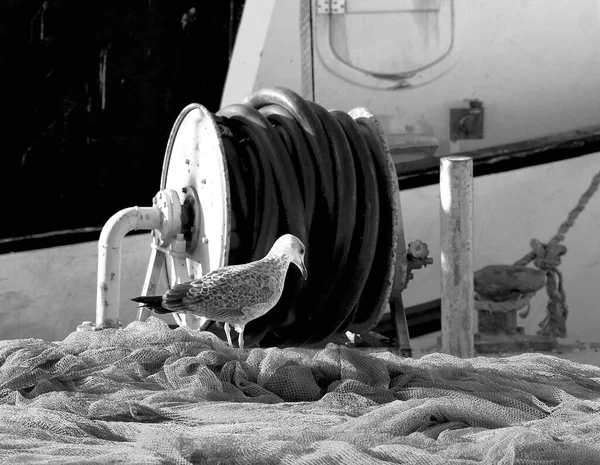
[{"x": 293, "y": 248}]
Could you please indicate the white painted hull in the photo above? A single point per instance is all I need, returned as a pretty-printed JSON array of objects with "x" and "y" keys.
[{"x": 534, "y": 64}]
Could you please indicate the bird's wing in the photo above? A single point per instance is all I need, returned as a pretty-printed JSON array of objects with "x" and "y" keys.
[{"x": 223, "y": 293}]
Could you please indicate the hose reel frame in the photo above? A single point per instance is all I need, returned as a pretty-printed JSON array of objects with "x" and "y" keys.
[{"x": 196, "y": 165}]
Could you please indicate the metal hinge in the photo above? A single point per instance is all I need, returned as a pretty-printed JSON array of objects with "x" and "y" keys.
[
  {"x": 340, "y": 7},
  {"x": 331, "y": 7}
]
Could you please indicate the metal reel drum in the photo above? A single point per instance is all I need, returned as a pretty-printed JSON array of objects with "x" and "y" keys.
[{"x": 195, "y": 169}]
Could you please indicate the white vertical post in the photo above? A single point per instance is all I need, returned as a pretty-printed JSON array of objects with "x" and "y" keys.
[
  {"x": 456, "y": 229},
  {"x": 244, "y": 65}
]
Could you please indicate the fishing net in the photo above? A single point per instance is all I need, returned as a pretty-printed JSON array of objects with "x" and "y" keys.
[{"x": 146, "y": 394}]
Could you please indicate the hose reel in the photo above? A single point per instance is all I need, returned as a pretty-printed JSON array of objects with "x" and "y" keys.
[{"x": 234, "y": 181}]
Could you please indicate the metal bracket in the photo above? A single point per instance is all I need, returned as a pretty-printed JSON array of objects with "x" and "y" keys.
[
  {"x": 87, "y": 326},
  {"x": 467, "y": 123},
  {"x": 331, "y": 7},
  {"x": 398, "y": 314},
  {"x": 167, "y": 200},
  {"x": 326, "y": 7}
]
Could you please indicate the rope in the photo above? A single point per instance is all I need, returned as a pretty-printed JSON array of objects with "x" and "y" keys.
[
  {"x": 567, "y": 224},
  {"x": 547, "y": 257},
  {"x": 297, "y": 168},
  {"x": 306, "y": 51}
]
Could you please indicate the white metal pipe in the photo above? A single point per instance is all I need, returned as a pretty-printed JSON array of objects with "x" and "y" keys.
[
  {"x": 179, "y": 270},
  {"x": 109, "y": 258},
  {"x": 456, "y": 229}
]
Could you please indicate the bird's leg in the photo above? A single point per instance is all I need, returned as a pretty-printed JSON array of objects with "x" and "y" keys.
[
  {"x": 241, "y": 338},
  {"x": 227, "y": 333}
]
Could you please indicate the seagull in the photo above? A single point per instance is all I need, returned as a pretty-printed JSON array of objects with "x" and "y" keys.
[{"x": 236, "y": 294}]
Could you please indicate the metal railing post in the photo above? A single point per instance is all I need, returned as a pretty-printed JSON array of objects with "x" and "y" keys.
[{"x": 456, "y": 229}]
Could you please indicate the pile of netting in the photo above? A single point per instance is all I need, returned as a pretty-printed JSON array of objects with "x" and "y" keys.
[{"x": 150, "y": 395}]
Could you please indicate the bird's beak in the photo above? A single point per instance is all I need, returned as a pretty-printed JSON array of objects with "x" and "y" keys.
[{"x": 302, "y": 268}]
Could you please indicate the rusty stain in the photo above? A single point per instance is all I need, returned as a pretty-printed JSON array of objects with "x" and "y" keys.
[
  {"x": 457, "y": 274},
  {"x": 428, "y": 23},
  {"x": 424, "y": 126}
]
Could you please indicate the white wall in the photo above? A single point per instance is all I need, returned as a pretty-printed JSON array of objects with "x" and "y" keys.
[
  {"x": 534, "y": 63},
  {"x": 46, "y": 293}
]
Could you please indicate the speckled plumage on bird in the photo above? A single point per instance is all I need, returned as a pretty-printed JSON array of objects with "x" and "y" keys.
[{"x": 237, "y": 294}]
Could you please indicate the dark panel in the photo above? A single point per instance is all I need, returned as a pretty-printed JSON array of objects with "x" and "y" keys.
[{"x": 91, "y": 90}]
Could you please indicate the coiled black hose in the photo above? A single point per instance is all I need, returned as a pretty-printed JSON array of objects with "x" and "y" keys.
[{"x": 297, "y": 168}]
